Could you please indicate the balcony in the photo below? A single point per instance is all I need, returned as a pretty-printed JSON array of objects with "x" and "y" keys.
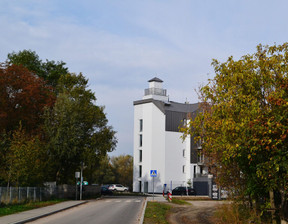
[
  {"x": 198, "y": 144},
  {"x": 200, "y": 159},
  {"x": 155, "y": 91},
  {"x": 199, "y": 175}
]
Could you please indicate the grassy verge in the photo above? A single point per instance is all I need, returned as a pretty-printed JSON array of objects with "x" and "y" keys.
[
  {"x": 180, "y": 202},
  {"x": 237, "y": 214},
  {"x": 156, "y": 213},
  {"x": 15, "y": 208}
]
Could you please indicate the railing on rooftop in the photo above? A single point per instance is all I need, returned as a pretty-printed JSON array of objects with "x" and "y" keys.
[{"x": 155, "y": 91}]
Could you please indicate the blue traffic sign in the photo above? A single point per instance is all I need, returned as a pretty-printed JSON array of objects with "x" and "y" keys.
[{"x": 153, "y": 173}]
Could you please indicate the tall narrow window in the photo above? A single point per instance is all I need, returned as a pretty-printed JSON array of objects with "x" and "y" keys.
[
  {"x": 140, "y": 140},
  {"x": 184, "y": 153},
  {"x": 140, "y": 186},
  {"x": 141, "y": 125},
  {"x": 183, "y": 169},
  {"x": 140, "y": 155},
  {"x": 140, "y": 171}
]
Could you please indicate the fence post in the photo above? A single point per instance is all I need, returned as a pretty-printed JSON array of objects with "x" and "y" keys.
[
  {"x": 27, "y": 195},
  {"x": 34, "y": 194},
  {"x": 19, "y": 194},
  {"x": 40, "y": 196},
  {"x": 10, "y": 194},
  {"x": 0, "y": 194}
]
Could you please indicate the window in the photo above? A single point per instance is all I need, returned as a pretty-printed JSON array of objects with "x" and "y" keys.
[
  {"x": 184, "y": 153},
  {"x": 140, "y": 186},
  {"x": 140, "y": 155},
  {"x": 140, "y": 140},
  {"x": 183, "y": 169},
  {"x": 141, "y": 125},
  {"x": 140, "y": 171}
]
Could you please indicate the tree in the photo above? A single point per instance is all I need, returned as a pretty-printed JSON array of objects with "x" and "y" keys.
[
  {"x": 123, "y": 169},
  {"x": 244, "y": 124},
  {"x": 23, "y": 98},
  {"x": 103, "y": 174},
  {"x": 76, "y": 129},
  {"x": 25, "y": 160},
  {"x": 50, "y": 71},
  {"x": 118, "y": 169}
]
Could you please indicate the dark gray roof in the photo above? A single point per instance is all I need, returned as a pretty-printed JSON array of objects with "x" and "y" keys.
[
  {"x": 181, "y": 107},
  {"x": 171, "y": 106},
  {"x": 155, "y": 79},
  {"x": 175, "y": 113}
]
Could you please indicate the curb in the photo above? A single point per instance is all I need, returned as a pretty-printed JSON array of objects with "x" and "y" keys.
[
  {"x": 47, "y": 214},
  {"x": 143, "y": 212}
]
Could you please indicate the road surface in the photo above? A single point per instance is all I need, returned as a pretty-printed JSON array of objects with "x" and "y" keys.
[{"x": 109, "y": 210}]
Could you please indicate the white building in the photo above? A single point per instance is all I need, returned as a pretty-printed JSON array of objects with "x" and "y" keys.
[{"x": 158, "y": 144}]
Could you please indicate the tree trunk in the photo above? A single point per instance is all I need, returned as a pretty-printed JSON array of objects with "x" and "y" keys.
[
  {"x": 283, "y": 208},
  {"x": 272, "y": 203}
]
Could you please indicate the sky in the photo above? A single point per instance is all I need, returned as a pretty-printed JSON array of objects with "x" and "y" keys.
[{"x": 121, "y": 44}]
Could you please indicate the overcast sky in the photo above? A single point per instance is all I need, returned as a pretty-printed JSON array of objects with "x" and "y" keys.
[{"x": 120, "y": 44}]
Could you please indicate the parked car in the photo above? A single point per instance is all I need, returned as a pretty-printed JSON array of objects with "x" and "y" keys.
[
  {"x": 118, "y": 187},
  {"x": 183, "y": 191},
  {"x": 106, "y": 191}
]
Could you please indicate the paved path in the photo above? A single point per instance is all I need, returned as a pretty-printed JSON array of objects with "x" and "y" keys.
[
  {"x": 108, "y": 210},
  {"x": 33, "y": 214}
]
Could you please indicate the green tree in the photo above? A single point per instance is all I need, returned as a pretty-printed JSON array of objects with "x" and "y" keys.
[
  {"x": 123, "y": 169},
  {"x": 25, "y": 160},
  {"x": 103, "y": 173},
  {"x": 76, "y": 129},
  {"x": 244, "y": 124},
  {"x": 51, "y": 71}
]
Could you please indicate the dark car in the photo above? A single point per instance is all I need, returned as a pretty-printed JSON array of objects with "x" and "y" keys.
[
  {"x": 183, "y": 191},
  {"x": 106, "y": 191}
]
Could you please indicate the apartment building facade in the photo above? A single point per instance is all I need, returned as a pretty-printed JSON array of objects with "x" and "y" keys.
[{"x": 158, "y": 144}]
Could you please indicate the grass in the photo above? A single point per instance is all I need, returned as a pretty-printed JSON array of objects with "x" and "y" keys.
[
  {"x": 237, "y": 214},
  {"x": 15, "y": 208},
  {"x": 180, "y": 202},
  {"x": 156, "y": 213}
]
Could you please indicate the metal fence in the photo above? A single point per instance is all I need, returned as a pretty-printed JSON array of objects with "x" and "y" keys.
[
  {"x": 10, "y": 195},
  {"x": 20, "y": 194}
]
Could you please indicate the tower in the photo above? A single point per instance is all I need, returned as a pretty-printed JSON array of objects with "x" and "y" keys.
[{"x": 155, "y": 90}]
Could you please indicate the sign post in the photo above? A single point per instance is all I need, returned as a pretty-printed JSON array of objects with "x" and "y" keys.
[
  {"x": 153, "y": 173},
  {"x": 81, "y": 181},
  {"x": 77, "y": 175}
]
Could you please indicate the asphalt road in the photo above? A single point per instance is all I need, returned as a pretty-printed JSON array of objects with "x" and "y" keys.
[{"x": 109, "y": 210}]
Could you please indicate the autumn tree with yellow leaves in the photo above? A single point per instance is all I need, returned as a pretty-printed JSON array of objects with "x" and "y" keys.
[{"x": 244, "y": 123}]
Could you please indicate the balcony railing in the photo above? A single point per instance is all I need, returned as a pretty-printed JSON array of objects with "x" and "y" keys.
[
  {"x": 198, "y": 175},
  {"x": 155, "y": 91},
  {"x": 200, "y": 159}
]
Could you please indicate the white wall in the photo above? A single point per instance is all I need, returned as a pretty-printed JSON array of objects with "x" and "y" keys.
[
  {"x": 175, "y": 160},
  {"x": 153, "y": 148}
]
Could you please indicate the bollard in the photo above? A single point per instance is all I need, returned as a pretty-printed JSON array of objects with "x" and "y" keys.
[{"x": 169, "y": 196}]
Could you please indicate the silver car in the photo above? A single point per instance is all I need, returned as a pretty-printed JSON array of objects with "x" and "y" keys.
[{"x": 118, "y": 187}]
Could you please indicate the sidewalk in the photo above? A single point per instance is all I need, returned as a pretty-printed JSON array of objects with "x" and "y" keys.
[
  {"x": 157, "y": 197},
  {"x": 34, "y": 214}
]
